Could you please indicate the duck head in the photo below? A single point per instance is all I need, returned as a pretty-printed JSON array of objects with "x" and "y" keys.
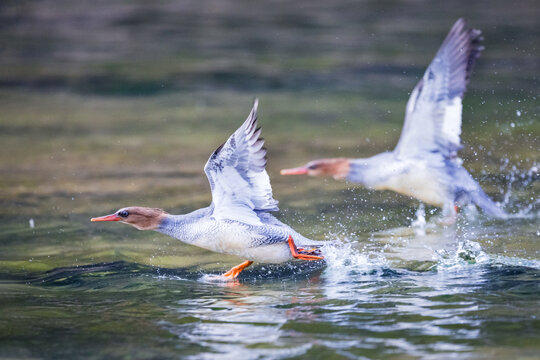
[
  {"x": 142, "y": 218},
  {"x": 338, "y": 168}
]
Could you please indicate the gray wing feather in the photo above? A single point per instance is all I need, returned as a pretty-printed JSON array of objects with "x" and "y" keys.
[
  {"x": 237, "y": 174},
  {"x": 433, "y": 113}
]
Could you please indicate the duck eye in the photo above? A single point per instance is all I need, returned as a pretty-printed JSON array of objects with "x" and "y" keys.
[{"x": 123, "y": 213}]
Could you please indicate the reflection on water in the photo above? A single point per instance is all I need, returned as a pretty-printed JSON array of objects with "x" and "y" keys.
[
  {"x": 370, "y": 300},
  {"x": 355, "y": 311}
]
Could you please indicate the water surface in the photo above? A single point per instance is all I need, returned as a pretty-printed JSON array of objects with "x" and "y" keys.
[{"x": 105, "y": 104}]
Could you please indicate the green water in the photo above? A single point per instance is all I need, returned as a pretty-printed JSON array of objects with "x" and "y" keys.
[{"x": 105, "y": 104}]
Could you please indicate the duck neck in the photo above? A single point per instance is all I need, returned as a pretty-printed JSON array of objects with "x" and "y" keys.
[
  {"x": 372, "y": 172},
  {"x": 182, "y": 227}
]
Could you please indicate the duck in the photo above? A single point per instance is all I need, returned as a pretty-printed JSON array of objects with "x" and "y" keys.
[
  {"x": 238, "y": 220},
  {"x": 425, "y": 164}
]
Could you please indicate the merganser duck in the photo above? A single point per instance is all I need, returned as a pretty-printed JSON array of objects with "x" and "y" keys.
[
  {"x": 425, "y": 164},
  {"x": 238, "y": 221}
]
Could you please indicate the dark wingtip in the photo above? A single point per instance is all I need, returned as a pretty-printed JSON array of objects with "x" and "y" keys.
[
  {"x": 475, "y": 50},
  {"x": 254, "y": 109},
  {"x": 465, "y": 46},
  {"x": 216, "y": 152},
  {"x": 251, "y": 120}
]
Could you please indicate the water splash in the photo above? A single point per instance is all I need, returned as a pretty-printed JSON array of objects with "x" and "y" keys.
[
  {"x": 470, "y": 253},
  {"x": 347, "y": 258},
  {"x": 467, "y": 253},
  {"x": 419, "y": 224},
  {"x": 517, "y": 180}
]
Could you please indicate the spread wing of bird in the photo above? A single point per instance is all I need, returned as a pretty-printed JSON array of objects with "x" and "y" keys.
[
  {"x": 433, "y": 113},
  {"x": 237, "y": 175}
]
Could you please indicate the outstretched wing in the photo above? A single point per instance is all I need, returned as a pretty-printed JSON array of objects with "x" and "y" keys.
[
  {"x": 237, "y": 175},
  {"x": 433, "y": 114}
]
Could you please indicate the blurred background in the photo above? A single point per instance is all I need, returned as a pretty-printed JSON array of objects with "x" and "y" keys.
[{"x": 106, "y": 103}]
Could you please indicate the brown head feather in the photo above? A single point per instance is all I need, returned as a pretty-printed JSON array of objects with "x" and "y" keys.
[
  {"x": 142, "y": 218},
  {"x": 338, "y": 168}
]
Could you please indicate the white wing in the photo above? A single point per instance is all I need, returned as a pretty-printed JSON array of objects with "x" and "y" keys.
[
  {"x": 433, "y": 113},
  {"x": 238, "y": 179}
]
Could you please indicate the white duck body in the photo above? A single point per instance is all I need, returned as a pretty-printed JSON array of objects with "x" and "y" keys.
[
  {"x": 431, "y": 179},
  {"x": 417, "y": 178},
  {"x": 238, "y": 221},
  {"x": 265, "y": 243}
]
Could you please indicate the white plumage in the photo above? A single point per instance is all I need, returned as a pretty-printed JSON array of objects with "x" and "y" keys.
[{"x": 237, "y": 175}]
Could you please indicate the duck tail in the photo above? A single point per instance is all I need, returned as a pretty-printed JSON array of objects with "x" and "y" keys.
[{"x": 480, "y": 199}]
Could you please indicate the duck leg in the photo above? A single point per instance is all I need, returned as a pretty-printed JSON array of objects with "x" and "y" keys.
[
  {"x": 449, "y": 212},
  {"x": 297, "y": 255},
  {"x": 233, "y": 273}
]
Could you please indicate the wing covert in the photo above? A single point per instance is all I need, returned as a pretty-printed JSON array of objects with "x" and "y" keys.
[
  {"x": 237, "y": 174},
  {"x": 433, "y": 112}
]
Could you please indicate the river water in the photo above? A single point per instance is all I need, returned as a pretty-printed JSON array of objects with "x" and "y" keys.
[
  {"x": 105, "y": 104},
  {"x": 461, "y": 302}
]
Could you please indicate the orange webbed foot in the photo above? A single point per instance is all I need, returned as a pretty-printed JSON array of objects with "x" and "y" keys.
[
  {"x": 302, "y": 256},
  {"x": 233, "y": 273},
  {"x": 312, "y": 251}
]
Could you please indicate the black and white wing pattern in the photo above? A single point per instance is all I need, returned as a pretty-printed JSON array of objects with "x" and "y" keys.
[
  {"x": 433, "y": 113},
  {"x": 237, "y": 175}
]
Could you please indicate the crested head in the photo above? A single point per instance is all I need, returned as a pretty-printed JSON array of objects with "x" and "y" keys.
[
  {"x": 338, "y": 168},
  {"x": 142, "y": 218}
]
